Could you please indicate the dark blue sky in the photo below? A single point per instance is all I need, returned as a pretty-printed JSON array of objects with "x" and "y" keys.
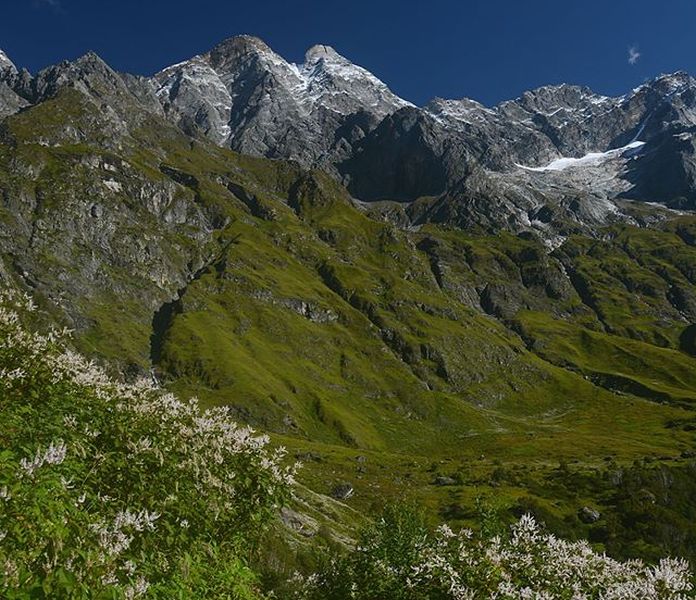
[{"x": 487, "y": 50}]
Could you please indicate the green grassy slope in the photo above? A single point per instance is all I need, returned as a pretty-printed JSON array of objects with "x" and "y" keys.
[{"x": 256, "y": 284}]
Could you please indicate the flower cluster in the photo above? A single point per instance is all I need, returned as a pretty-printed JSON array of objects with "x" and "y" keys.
[
  {"x": 527, "y": 563},
  {"x": 531, "y": 563},
  {"x": 53, "y": 455},
  {"x": 108, "y": 487}
]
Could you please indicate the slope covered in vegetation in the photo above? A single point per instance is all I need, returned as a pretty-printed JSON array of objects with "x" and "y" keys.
[
  {"x": 112, "y": 490},
  {"x": 428, "y": 362}
]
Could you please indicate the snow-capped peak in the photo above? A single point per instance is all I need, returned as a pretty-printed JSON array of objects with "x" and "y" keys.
[
  {"x": 333, "y": 81},
  {"x": 6, "y": 64},
  {"x": 322, "y": 52},
  {"x": 325, "y": 78},
  {"x": 242, "y": 85}
]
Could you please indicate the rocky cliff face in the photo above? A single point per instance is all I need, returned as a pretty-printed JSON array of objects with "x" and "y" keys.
[
  {"x": 10, "y": 101},
  {"x": 244, "y": 96},
  {"x": 6, "y": 65},
  {"x": 561, "y": 150}
]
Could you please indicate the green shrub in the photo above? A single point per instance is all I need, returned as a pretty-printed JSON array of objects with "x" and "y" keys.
[
  {"x": 108, "y": 490},
  {"x": 398, "y": 559}
]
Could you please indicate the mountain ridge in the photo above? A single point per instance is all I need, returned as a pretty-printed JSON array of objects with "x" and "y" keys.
[
  {"x": 582, "y": 159},
  {"x": 452, "y": 138},
  {"x": 318, "y": 49},
  {"x": 455, "y": 161}
]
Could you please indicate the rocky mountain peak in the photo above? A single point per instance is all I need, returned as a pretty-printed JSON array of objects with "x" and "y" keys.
[
  {"x": 237, "y": 48},
  {"x": 452, "y": 111},
  {"x": 6, "y": 65},
  {"x": 665, "y": 87},
  {"x": 243, "y": 95},
  {"x": 87, "y": 64},
  {"x": 331, "y": 113},
  {"x": 672, "y": 80},
  {"x": 554, "y": 144},
  {"x": 10, "y": 101},
  {"x": 322, "y": 52},
  {"x": 550, "y": 98},
  {"x": 91, "y": 58},
  {"x": 334, "y": 82},
  {"x": 88, "y": 73}
]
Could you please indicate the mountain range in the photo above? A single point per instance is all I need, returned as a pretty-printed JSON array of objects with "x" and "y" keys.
[{"x": 555, "y": 160}]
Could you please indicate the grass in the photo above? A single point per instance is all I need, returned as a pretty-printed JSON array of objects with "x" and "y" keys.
[{"x": 662, "y": 374}]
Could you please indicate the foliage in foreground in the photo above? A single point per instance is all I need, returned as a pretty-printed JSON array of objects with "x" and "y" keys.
[
  {"x": 400, "y": 559},
  {"x": 110, "y": 490}
]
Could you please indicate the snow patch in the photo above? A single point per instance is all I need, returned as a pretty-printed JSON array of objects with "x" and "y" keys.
[{"x": 592, "y": 159}]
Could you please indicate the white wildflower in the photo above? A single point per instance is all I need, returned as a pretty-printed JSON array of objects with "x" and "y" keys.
[
  {"x": 53, "y": 455},
  {"x": 138, "y": 589}
]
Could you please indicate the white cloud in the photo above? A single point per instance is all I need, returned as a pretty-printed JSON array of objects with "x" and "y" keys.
[
  {"x": 53, "y": 4},
  {"x": 633, "y": 55}
]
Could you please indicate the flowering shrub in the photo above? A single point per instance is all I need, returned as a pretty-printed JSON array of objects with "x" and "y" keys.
[
  {"x": 399, "y": 559},
  {"x": 120, "y": 490}
]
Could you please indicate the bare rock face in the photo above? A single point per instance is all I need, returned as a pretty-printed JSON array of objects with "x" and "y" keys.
[
  {"x": 342, "y": 491},
  {"x": 6, "y": 65},
  {"x": 10, "y": 102},
  {"x": 559, "y": 150},
  {"x": 589, "y": 515},
  {"x": 243, "y": 95}
]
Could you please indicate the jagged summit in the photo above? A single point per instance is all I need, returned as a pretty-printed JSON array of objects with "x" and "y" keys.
[
  {"x": 325, "y": 67},
  {"x": 460, "y": 108},
  {"x": 242, "y": 42},
  {"x": 676, "y": 78},
  {"x": 10, "y": 101},
  {"x": 321, "y": 52},
  {"x": 237, "y": 48},
  {"x": 92, "y": 58},
  {"x": 89, "y": 73},
  {"x": 243, "y": 95},
  {"x": 6, "y": 64},
  {"x": 87, "y": 64},
  {"x": 331, "y": 113}
]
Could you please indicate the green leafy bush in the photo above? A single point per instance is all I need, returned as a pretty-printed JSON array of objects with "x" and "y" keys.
[
  {"x": 399, "y": 559},
  {"x": 112, "y": 490}
]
